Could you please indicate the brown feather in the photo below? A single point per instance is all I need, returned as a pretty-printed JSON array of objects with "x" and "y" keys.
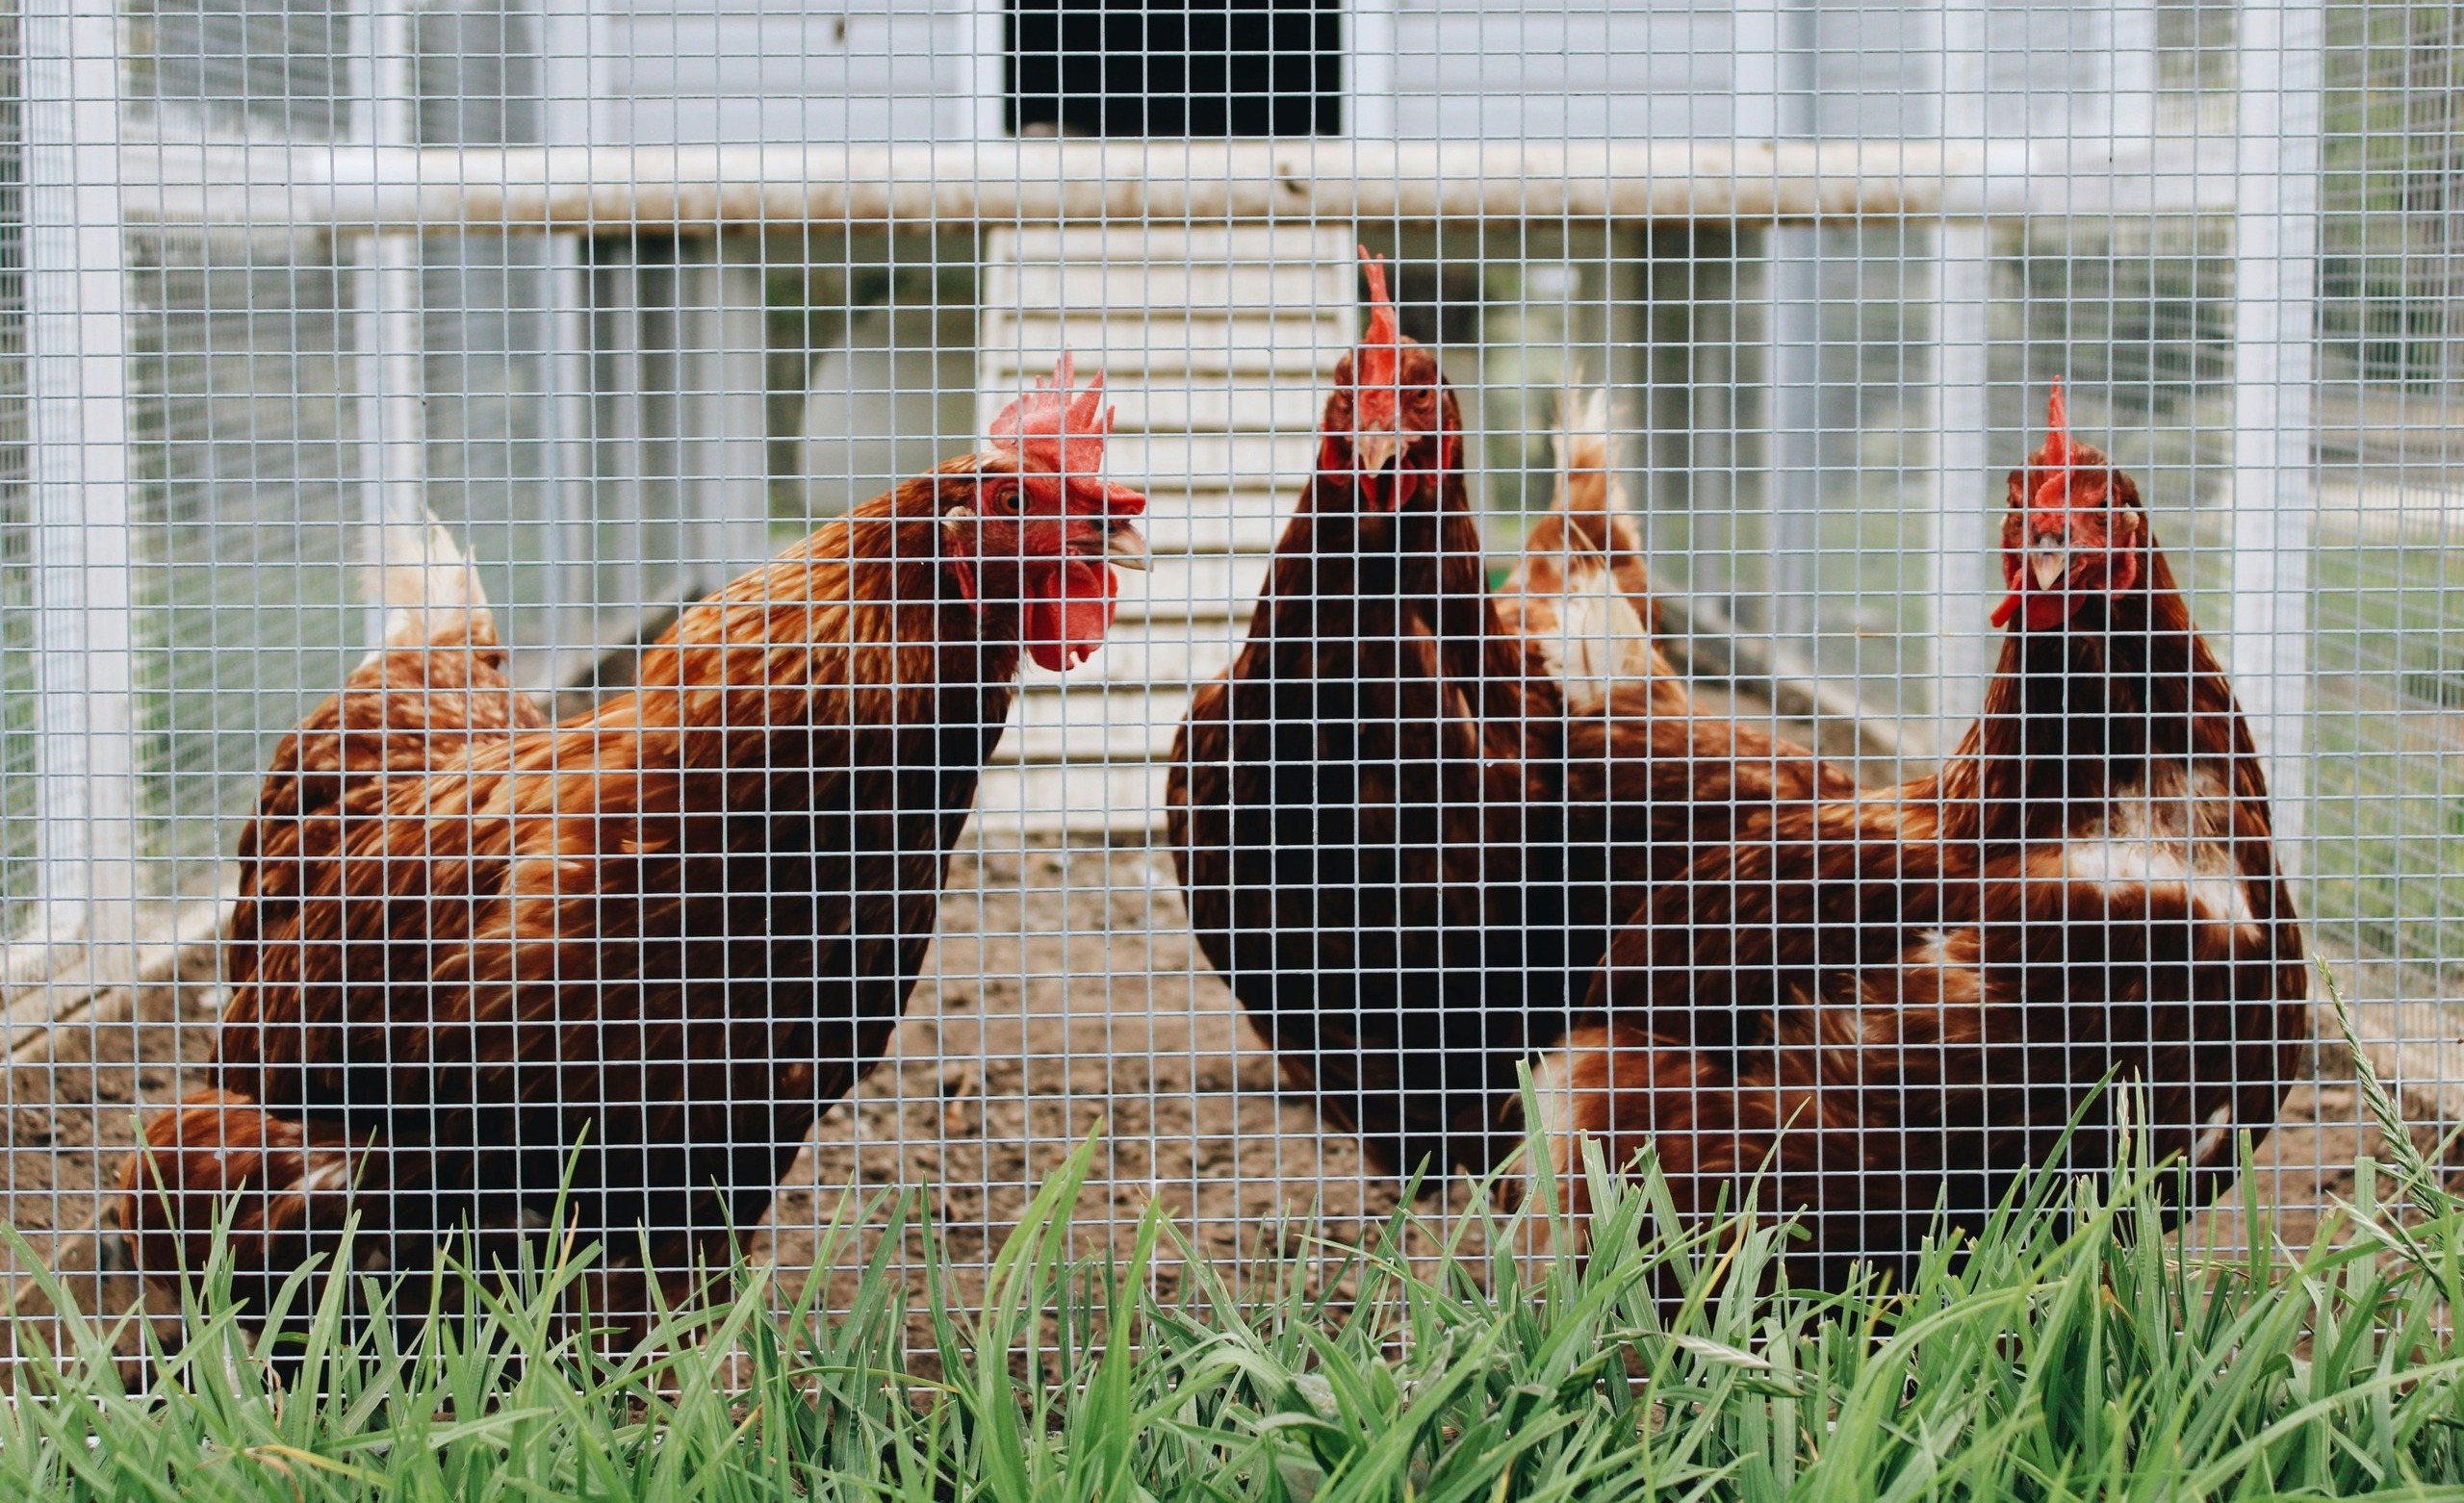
[
  {"x": 1901, "y": 999},
  {"x": 674, "y": 929},
  {"x": 1398, "y": 849}
]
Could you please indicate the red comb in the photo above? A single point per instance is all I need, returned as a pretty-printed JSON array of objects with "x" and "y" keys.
[
  {"x": 2055, "y": 489},
  {"x": 1378, "y": 347},
  {"x": 1056, "y": 429}
]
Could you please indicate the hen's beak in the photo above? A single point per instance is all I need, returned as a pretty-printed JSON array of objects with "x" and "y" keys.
[
  {"x": 1377, "y": 448},
  {"x": 2049, "y": 562},
  {"x": 1125, "y": 547}
]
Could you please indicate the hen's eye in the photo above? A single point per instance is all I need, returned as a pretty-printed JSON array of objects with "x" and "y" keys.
[{"x": 1003, "y": 498}]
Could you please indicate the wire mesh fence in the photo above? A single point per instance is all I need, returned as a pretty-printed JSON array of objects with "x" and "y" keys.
[{"x": 631, "y": 299}]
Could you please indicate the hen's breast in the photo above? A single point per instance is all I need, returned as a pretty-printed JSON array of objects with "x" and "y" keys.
[{"x": 2178, "y": 832}]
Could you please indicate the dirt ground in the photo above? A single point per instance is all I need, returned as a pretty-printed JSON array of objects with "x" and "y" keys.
[{"x": 1064, "y": 994}]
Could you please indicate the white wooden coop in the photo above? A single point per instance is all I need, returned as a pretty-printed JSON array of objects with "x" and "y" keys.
[
  {"x": 592, "y": 406},
  {"x": 514, "y": 261}
]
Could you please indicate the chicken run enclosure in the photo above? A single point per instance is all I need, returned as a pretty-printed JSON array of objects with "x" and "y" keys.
[{"x": 631, "y": 295}]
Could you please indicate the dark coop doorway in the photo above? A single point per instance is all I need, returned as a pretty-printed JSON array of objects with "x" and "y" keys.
[{"x": 1175, "y": 68}]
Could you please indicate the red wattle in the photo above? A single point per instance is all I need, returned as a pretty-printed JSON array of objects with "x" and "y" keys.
[
  {"x": 1068, "y": 608},
  {"x": 2036, "y": 609}
]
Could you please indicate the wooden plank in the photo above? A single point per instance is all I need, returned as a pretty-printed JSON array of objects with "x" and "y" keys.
[
  {"x": 1215, "y": 344},
  {"x": 1278, "y": 462},
  {"x": 1080, "y": 286},
  {"x": 1193, "y": 587},
  {"x": 1177, "y": 407},
  {"x": 1096, "y": 721},
  {"x": 1172, "y": 403},
  {"x": 1224, "y": 524},
  {"x": 1081, "y": 798},
  {"x": 1252, "y": 184},
  {"x": 77, "y": 493},
  {"x": 1155, "y": 658},
  {"x": 1289, "y": 243}
]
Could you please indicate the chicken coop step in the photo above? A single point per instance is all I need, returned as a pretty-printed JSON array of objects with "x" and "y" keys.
[
  {"x": 1244, "y": 461},
  {"x": 1195, "y": 525},
  {"x": 1139, "y": 659},
  {"x": 1168, "y": 313},
  {"x": 1223, "y": 274},
  {"x": 1079, "y": 798},
  {"x": 1193, "y": 587},
  {"x": 1242, "y": 347},
  {"x": 1127, "y": 724}
]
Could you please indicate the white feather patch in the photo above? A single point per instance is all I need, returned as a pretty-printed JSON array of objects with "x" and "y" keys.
[
  {"x": 424, "y": 583},
  {"x": 1600, "y": 641},
  {"x": 2214, "y": 888}
]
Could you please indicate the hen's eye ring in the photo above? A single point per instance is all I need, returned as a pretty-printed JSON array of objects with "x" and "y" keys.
[{"x": 1003, "y": 497}]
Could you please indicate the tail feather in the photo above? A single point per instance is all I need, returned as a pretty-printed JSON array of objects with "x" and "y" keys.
[
  {"x": 281, "y": 1191},
  {"x": 1582, "y": 593},
  {"x": 426, "y": 585},
  {"x": 1590, "y": 497}
]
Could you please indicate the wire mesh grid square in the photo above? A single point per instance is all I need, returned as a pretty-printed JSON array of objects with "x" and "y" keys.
[{"x": 630, "y": 298}]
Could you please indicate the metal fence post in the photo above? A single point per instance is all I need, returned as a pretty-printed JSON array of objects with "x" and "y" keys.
[
  {"x": 1965, "y": 575},
  {"x": 391, "y": 412},
  {"x": 76, "y": 331},
  {"x": 2274, "y": 293}
]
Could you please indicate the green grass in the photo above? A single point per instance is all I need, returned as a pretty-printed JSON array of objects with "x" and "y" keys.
[
  {"x": 2076, "y": 1349},
  {"x": 2387, "y": 835}
]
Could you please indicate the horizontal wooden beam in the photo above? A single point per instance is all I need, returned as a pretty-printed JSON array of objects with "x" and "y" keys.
[{"x": 706, "y": 190}]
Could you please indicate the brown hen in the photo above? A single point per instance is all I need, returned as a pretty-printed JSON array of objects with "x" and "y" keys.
[
  {"x": 1900, "y": 1001},
  {"x": 1398, "y": 846},
  {"x": 671, "y": 930}
]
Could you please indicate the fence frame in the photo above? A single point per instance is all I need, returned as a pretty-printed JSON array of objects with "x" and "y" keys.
[{"x": 87, "y": 185}]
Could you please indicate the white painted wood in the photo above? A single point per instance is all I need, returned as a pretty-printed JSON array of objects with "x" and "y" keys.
[
  {"x": 723, "y": 367},
  {"x": 1670, "y": 179},
  {"x": 1967, "y": 491},
  {"x": 700, "y": 73},
  {"x": 79, "y": 422},
  {"x": 1775, "y": 101},
  {"x": 2275, "y": 502},
  {"x": 1560, "y": 68},
  {"x": 1967, "y": 497},
  {"x": 573, "y": 635},
  {"x": 1079, "y": 798},
  {"x": 391, "y": 408},
  {"x": 1369, "y": 70},
  {"x": 985, "y": 62},
  {"x": 1167, "y": 313},
  {"x": 631, "y": 553},
  {"x": 569, "y": 102},
  {"x": 679, "y": 500},
  {"x": 1792, "y": 365}
]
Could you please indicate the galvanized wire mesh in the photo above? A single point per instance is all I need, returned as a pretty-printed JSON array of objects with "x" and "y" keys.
[{"x": 292, "y": 268}]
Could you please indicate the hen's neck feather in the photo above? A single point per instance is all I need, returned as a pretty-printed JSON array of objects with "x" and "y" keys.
[
  {"x": 2074, "y": 713},
  {"x": 1341, "y": 571},
  {"x": 866, "y": 601}
]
